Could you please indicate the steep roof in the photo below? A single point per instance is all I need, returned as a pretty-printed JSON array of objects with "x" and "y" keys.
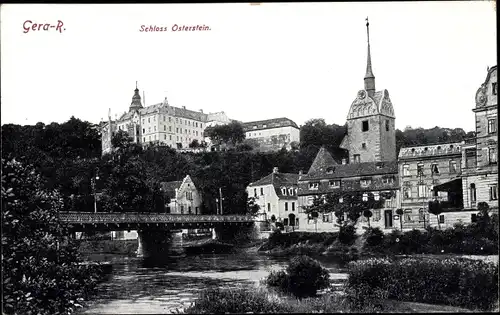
[
  {"x": 355, "y": 170},
  {"x": 269, "y": 123},
  {"x": 366, "y": 105},
  {"x": 322, "y": 162},
  {"x": 279, "y": 180}
]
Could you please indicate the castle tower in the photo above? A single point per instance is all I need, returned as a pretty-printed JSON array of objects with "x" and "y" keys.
[
  {"x": 136, "y": 100},
  {"x": 371, "y": 133}
]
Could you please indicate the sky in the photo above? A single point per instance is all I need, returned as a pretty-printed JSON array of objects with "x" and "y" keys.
[{"x": 294, "y": 60}]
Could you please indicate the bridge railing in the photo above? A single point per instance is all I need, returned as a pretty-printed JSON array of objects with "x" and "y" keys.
[{"x": 135, "y": 217}]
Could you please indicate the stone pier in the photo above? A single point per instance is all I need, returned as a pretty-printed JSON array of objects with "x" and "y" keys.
[{"x": 154, "y": 243}]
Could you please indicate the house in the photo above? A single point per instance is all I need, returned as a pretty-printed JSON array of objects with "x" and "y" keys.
[
  {"x": 326, "y": 176},
  {"x": 276, "y": 194},
  {"x": 272, "y": 134},
  {"x": 422, "y": 169},
  {"x": 184, "y": 197}
]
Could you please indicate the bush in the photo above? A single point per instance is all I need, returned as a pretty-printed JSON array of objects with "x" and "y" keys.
[
  {"x": 457, "y": 282},
  {"x": 347, "y": 234},
  {"x": 240, "y": 301},
  {"x": 304, "y": 276},
  {"x": 374, "y": 237}
]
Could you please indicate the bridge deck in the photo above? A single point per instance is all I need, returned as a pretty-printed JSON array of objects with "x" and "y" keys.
[{"x": 147, "y": 218}]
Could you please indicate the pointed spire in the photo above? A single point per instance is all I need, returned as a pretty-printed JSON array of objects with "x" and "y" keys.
[{"x": 369, "y": 77}]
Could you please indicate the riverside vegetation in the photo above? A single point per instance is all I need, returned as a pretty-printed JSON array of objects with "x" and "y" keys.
[{"x": 374, "y": 285}]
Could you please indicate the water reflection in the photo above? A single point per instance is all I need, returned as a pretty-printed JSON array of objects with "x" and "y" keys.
[{"x": 152, "y": 286}]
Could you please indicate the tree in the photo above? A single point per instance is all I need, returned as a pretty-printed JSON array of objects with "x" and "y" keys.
[
  {"x": 121, "y": 139},
  {"x": 252, "y": 207},
  {"x": 40, "y": 265},
  {"x": 194, "y": 144},
  {"x": 368, "y": 214},
  {"x": 436, "y": 208},
  {"x": 230, "y": 134},
  {"x": 400, "y": 213}
]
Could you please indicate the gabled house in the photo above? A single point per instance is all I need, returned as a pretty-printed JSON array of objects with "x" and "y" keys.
[
  {"x": 183, "y": 195},
  {"x": 327, "y": 176},
  {"x": 276, "y": 194}
]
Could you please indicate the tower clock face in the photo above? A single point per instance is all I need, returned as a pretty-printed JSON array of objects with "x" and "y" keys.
[
  {"x": 480, "y": 97},
  {"x": 361, "y": 94}
]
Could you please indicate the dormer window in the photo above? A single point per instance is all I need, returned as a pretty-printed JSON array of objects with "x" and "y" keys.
[
  {"x": 335, "y": 184},
  {"x": 330, "y": 170},
  {"x": 365, "y": 182},
  {"x": 283, "y": 191},
  {"x": 314, "y": 186},
  {"x": 435, "y": 169},
  {"x": 290, "y": 191}
]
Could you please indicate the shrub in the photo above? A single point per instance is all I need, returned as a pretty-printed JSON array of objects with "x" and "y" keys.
[
  {"x": 304, "y": 276},
  {"x": 374, "y": 237},
  {"x": 222, "y": 301},
  {"x": 347, "y": 234},
  {"x": 458, "y": 282}
]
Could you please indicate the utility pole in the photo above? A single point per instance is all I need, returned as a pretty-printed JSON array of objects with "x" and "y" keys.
[{"x": 94, "y": 185}]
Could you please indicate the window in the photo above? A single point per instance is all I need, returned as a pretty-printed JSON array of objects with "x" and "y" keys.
[
  {"x": 164, "y": 137},
  {"x": 169, "y": 119},
  {"x": 182, "y": 209},
  {"x": 335, "y": 184},
  {"x": 406, "y": 170},
  {"x": 144, "y": 139},
  {"x": 376, "y": 196},
  {"x": 149, "y": 138},
  {"x": 363, "y": 145},
  {"x": 376, "y": 215},
  {"x": 185, "y": 131},
  {"x": 262, "y": 191},
  {"x": 420, "y": 169},
  {"x": 494, "y": 88},
  {"x": 313, "y": 186},
  {"x": 387, "y": 125},
  {"x": 283, "y": 191},
  {"x": 422, "y": 191},
  {"x": 155, "y": 128},
  {"x": 189, "y": 195},
  {"x": 154, "y": 118},
  {"x": 290, "y": 191},
  {"x": 164, "y": 128},
  {"x": 326, "y": 217},
  {"x": 364, "y": 126},
  {"x": 255, "y": 192},
  {"x": 492, "y": 155},
  {"x": 286, "y": 206},
  {"x": 170, "y": 128},
  {"x": 493, "y": 192},
  {"x": 407, "y": 215},
  {"x": 365, "y": 197},
  {"x": 176, "y": 120},
  {"x": 492, "y": 127},
  {"x": 155, "y": 137},
  {"x": 365, "y": 182},
  {"x": 406, "y": 193},
  {"x": 453, "y": 166},
  {"x": 388, "y": 180},
  {"x": 149, "y": 130},
  {"x": 201, "y": 125},
  {"x": 149, "y": 120},
  {"x": 268, "y": 207},
  {"x": 293, "y": 206},
  {"x": 356, "y": 158},
  {"x": 441, "y": 218},
  {"x": 330, "y": 170},
  {"x": 434, "y": 168},
  {"x": 170, "y": 137},
  {"x": 143, "y": 121},
  {"x": 143, "y": 130}
]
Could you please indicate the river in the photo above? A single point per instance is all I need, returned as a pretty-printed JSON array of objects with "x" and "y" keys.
[{"x": 142, "y": 286}]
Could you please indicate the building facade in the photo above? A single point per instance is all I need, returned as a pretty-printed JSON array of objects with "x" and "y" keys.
[
  {"x": 272, "y": 134},
  {"x": 480, "y": 156},
  {"x": 184, "y": 197},
  {"x": 276, "y": 195},
  {"x": 160, "y": 123},
  {"x": 421, "y": 168}
]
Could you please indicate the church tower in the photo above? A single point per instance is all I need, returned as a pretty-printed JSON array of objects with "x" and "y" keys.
[{"x": 371, "y": 133}]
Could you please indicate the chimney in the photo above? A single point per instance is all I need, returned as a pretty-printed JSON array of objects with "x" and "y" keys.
[
  {"x": 275, "y": 170},
  {"x": 201, "y": 111},
  {"x": 184, "y": 107},
  {"x": 344, "y": 161}
]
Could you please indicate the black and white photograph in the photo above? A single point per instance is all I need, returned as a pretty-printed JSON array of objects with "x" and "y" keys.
[{"x": 253, "y": 157}]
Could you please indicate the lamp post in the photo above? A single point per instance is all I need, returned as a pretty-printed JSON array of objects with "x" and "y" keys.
[
  {"x": 421, "y": 182},
  {"x": 94, "y": 186}
]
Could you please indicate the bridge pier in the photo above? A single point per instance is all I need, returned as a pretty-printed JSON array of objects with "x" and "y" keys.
[{"x": 153, "y": 243}]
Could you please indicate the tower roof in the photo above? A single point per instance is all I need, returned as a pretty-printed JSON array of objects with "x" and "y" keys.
[
  {"x": 322, "y": 162},
  {"x": 136, "y": 99},
  {"x": 369, "y": 77}
]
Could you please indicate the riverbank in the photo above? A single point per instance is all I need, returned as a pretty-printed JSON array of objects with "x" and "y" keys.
[{"x": 117, "y": 247}]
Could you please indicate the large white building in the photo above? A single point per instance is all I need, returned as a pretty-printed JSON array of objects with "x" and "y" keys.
[
  {"x": 160, "y": 123},
  {"x": 272, "y": 134}
]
